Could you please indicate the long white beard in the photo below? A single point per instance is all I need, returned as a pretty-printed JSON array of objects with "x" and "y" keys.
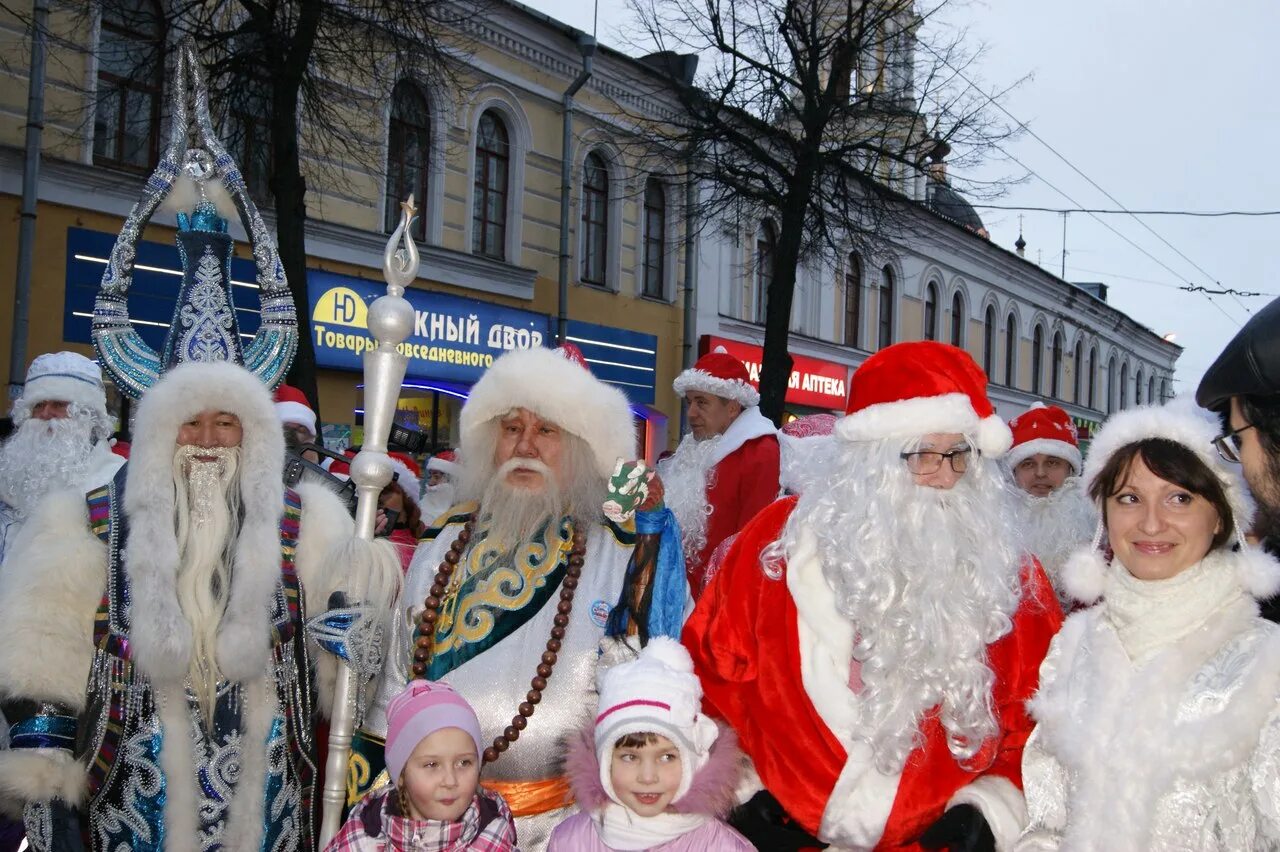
[
  {"x": 512, "y": 516},
  {"x": 43, "y": 456},
  {"x": 207, "y": 499},
  {"x": 436, "y": 500},
  {"x": 1057, "y": 525},
  {"x": 686, "y": 477},
  {"x": 928, "y": 578}
]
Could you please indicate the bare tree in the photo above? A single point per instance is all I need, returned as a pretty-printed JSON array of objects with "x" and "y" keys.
[
  {"x": 819, "y": 114},
  {"x": 299, "y": 89}
]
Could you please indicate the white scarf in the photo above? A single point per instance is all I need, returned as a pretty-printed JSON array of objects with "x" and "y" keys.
[
  {"x": 1150, "y": 615},
  {"x": 625, "y": 831}
]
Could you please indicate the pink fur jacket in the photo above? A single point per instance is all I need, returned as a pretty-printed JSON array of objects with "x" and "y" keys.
[{"x": 711, "y": 794}]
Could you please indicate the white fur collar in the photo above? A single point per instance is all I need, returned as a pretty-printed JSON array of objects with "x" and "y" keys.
[
  {"x": 1128, "y": 733},
  {"x": 748, "y": 426}
]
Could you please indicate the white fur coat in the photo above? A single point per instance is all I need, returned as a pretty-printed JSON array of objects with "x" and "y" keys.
[{"x": 1181, "y": 752}]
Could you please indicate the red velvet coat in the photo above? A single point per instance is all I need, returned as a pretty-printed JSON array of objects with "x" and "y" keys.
[
  {"x": 744, "y": 639},
  {"x": 743, "y": 483}
]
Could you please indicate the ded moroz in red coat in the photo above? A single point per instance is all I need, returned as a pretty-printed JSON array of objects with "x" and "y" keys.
[
  {"x": 740, "y": 484},
  {"x": 773, "y": 656}
]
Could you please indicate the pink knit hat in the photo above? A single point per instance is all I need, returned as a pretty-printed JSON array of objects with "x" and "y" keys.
[{"x": 423, "y": 708}]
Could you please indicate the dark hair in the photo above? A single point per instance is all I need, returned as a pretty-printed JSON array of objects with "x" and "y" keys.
[
  {"x": 636, "y": 740},
  {"x": 1172, "y": 462},
  {"x": 1263, "y": 413}
]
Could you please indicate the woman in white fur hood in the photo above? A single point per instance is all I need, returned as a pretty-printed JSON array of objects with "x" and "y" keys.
[{"x": 1159, "y": 709}]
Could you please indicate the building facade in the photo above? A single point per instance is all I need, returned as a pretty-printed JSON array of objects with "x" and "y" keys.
[{"x": 483, "y": 157}]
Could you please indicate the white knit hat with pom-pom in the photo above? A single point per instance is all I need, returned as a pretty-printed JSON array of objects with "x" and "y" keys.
[
  {"x": 1183, "y": 422},
  {"x": 657, "y": 693}
]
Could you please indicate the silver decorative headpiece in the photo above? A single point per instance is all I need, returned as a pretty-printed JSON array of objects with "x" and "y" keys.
[{"x": 204, "y": 326}]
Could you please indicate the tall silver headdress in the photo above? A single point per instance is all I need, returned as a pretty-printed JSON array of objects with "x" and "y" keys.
[{"x": 204, "y": 326}]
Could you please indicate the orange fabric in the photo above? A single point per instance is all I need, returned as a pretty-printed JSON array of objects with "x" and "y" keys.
[
  {"x": 743, "y": 483},
  {"x": 744, "y": 641},
  {"x": 530, "y": 798}
]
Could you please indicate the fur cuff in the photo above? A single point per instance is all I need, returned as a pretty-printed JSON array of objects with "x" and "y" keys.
[
  {"x": 38, "y": 775},
  {"x": 1002, "y": 805}
]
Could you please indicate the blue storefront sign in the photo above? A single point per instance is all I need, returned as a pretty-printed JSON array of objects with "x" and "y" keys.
[
  {"x": 454, "y": 339},
  {"x": 619, "y": 356}
]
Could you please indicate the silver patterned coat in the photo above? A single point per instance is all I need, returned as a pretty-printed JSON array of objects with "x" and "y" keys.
[{"x": 1181, "y": 752}]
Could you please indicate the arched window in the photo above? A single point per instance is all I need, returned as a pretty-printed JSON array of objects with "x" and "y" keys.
[
  {"x": 1077, "y": 369},
  {"x": 989, "y": 341},
  {"x": 1124, "y": 386},
  {"x": 1055, "y": 367},
  {"x": 126, "y": 120},
  {"x": 595, "y": 219},
  {"x": 1093, "y": 376},
  {"x": 1010, "y": 350},
  {"x": 1137, "y": 388},
  {"x": 1164, "y": 389},
  {"x": 887, "y": 296},
  {"x": 931, "y": 311},
  {"x": 1037, "y": 359},
  {"x": 957, "y": 319},
  {"x": 766, "y": 245},
  {"x": 655, "y": 239},
  {"x": 1112, "y": 394},
  {"x": 493, "y": 162},
  {"x": 1151, "y": 390},
  {"x": 852, "y": 299},
  {"x": 408, "y": 156}
]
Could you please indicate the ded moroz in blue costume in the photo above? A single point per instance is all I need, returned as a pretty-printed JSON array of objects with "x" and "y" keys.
[{"x": 162, "y": 695}]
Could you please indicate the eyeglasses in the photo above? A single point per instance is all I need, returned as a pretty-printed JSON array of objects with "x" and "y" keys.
[
  {"x": 1228, "y": 445},
  {"x": 925, "y": 462}
]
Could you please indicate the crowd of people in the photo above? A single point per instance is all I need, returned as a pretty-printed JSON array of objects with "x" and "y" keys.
[{"x": 909, "y": 626}]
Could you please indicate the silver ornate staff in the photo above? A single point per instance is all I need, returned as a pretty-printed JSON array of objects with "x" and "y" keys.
[{"x": 390, "y": 320}]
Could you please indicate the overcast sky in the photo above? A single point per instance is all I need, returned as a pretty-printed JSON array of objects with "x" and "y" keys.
[{"x": 1167, "y": 105}]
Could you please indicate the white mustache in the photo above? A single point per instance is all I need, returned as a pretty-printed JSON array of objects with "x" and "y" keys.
[{"x": 524, "y": 464}]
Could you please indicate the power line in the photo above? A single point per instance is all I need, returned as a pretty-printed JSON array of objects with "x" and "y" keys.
[
  {"x": 1208, "y": 214},
  {"x": 1042, "y": 179}
]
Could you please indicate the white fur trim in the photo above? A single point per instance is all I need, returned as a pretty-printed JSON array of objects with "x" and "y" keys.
[
  {"x": 1126, "y": 735},
  {"x": 859, "y": 805},
  {"x": 556, "y": 389},
  {"x": 407, "y": 478},
  {"x": 53, "y": 579},
  {"x": 747, "y": 426},
  {"x": 1001, "y": 803},
  {"x": 1259, "y": 572},
  {"x": 699, "y": 380},
  {"x": 177, "y": 760},
  {"x": 444, "y": 466},
  {"x": 911, "y": 418},
  {"x": 296, "y": 412},
  {"x": 1085, "y": 574},
  {"x": 1180, "y": 421},
  {"x": 245, "y": 811},
  {"x": 162, "y": 640},
  {"x": 38, "y": 775},
  {"x": 1049, "y": 447}
]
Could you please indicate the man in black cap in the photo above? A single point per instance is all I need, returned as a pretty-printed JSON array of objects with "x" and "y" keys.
[{"x": 1243, "y": 386}]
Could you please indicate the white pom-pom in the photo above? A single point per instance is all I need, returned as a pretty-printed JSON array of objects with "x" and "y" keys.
[
  {"x": 1085, "y": 574},
  {"x": 1259, "y": 572},
  {"x": 994, "y": 437},
  {"x": 1037, "y": 404},
  {"x": 669, "y": 652}
]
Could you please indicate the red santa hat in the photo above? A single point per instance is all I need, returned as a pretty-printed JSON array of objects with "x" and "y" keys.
[
  {"x": 556, "y": 385},
  {"x": 1045, "y": 429},
  {"x": 911, "y": 389},
  {"x": 446, "y": 462},
  {"x": 292, "y": 407},
  {"x": 721, "y": 374},
  {"x": 409, "y": 474}
]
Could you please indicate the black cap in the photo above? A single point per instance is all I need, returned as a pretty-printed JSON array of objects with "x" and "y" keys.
[{"x": 1249, "y": 365}]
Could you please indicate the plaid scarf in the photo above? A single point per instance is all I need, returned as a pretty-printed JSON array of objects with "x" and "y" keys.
[{"x": 377, "y": 825}]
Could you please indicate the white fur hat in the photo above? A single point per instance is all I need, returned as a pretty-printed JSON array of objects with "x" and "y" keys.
[
  {"x": 657, "y": 693},
  {"x": 66, "y": 377},
  {"x": 556, "y": 385},
  {"x": 1182, "y": 422}
]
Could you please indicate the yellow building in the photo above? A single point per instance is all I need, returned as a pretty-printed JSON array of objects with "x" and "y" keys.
[{"x": 483, "y": 157}]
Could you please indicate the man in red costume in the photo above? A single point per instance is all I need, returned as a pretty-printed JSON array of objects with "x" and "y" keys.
[
  {"x": 873, "y": 641},
  {"x": 726, "y": 469}
]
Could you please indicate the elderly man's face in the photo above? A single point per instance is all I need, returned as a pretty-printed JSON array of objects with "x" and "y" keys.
[
  {"x": 211, "y": 428},
  {"x": 532, "y": 445},
  {"x": 710, "y": 415},
  {"x": 51, "y": 409}
]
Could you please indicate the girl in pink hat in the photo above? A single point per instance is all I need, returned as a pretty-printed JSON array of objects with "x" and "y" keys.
[
  {"x": 652, "y": 772},
  {"x": 436, "y": 803}
]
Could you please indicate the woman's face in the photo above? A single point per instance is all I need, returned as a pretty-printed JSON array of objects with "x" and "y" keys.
[{"x": 1158, "y": 529}]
